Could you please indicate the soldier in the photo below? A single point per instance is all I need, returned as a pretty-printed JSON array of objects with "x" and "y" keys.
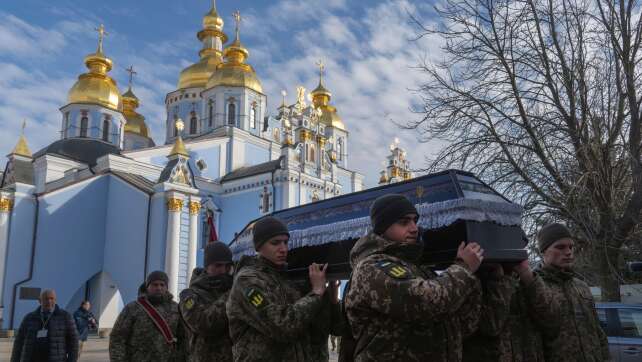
[
  {"x": 269, "y": 318},
  {"x": 580, "y": 336},
  {"x": 398, "y": 310},
  {"x": 516, "y": 315},
  {"x": 149, "y": 329},
  {"x": 202, "y": 306}
]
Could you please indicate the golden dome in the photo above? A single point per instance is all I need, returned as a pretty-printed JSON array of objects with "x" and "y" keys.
[
  {"x": 321, "y": 99},
  {"x": 330, "y": 118},
  {"x": 135, "y": 121},
  {"x": 95, "y": 86},
  {"x": 197, "y": 74}
]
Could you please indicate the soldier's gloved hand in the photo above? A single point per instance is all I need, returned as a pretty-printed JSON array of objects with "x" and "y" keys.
[
  {"x": 317, "y": 278},
  {"x": 472, "y": 254},
  {"x": 524, "y": 271}
]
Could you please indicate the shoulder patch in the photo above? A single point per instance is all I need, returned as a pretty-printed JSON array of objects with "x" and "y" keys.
[
  {"x": 255, "y": 297},
  {"x": 395, "y": 270},
  {"x": 189, "y": 303}
]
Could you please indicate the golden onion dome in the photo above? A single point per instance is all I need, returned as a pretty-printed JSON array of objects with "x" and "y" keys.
[
  {"x": 212, "y": 36},
  {"x": 321, "y": 99},
  {"x": 96, "y": 86},
  {"x": 197, "y": 74},
  {"x": 234, "y": 72},
  {"x": 135, "y": 121}
]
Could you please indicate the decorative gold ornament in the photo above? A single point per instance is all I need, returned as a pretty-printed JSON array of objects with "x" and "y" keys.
[
  {"x": 194, "y": 207},
  {"x": 305, "y": 135},
  {"x": 6, "y": 205},
  {"x": 21, "y": 148},
  {"x": 174, "y": 204}
]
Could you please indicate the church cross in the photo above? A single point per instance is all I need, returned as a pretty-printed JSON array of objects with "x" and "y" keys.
[
  {"x": 237, "y": 19},
  {"x": 132, "y": 73},
  {"x": 101, "y": 35}
]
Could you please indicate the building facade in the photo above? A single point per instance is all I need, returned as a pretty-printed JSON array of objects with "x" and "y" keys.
[{"x": 96, "y": 210}]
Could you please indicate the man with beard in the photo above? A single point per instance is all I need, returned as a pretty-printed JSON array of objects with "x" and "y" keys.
[
  {"x": 580, "y": 336},
  {"x": 399, "y": 311},
  {"x": 270, "y": 319},
  {"x": 202, "y": 306},
  {"x": 149, "y": 329}
]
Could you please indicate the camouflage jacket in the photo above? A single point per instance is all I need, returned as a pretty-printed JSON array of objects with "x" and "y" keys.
[
  {"x": 270, "y": 319},
  {"x": 202, "y": 308},
  {"x": 399, "y": 311},
  {"x": 580, "y": 336},
  {"x": 135, "y": 338},
  {"x": 514, "y": 319}
]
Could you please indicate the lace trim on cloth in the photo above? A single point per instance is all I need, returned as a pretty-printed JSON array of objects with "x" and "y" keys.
[{"x": 431, "y": 216}]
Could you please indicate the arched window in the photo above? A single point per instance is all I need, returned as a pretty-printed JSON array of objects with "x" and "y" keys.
[
  {"x": 173, "y": 126},
  {"x": 84, "y": 124},
  {"x": 265, "y": 200},
  {"x": 106, "y": 126},
  {"x": 253, "y": 116},
  {"x": 193, "y": 123},
  {"x": 340, "y": 148},
  {"x": 276, "y": 135},
  {"x": 311, "y": 154},
  {"x": 231, "y": 114},
  {"x": 210, "y": 112},
  {"x": 66, "y": 125}
]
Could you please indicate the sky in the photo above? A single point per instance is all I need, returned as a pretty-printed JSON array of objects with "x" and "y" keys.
[{"x": 367, "y": 46}]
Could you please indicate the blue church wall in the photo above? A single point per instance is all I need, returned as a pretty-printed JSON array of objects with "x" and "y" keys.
[
  {"x": 157, "y": 234},
  {"x": 124, "y": 252},
  {"x": 19, "y": 249},
  {"x": 346, "y": 183},
  {"x": 69, "y": 245},
  {"x": 255, "y": 154},
  {"x": 72, "y": 116},
  {"x": 211, "y": 156},
  {"x": 238, "y": 209}
]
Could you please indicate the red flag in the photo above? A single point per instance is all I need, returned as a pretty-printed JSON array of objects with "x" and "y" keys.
[{"x": 210, "y": 223}]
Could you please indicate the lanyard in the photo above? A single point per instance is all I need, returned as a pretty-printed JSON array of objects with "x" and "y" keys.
[{"x": 44, "y": 323}]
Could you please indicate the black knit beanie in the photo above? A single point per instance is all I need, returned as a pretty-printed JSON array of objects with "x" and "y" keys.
[
  {"x": 388, "y": 209},
  {"x": 216, "y": 252},
  {"x": 267, "y": 228},
  {"x": 550, "y": 234},
  {"x": 156, "y": 275}
]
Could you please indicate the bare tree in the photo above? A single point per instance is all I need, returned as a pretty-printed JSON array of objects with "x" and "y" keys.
[{"x": 541, "y": 98}]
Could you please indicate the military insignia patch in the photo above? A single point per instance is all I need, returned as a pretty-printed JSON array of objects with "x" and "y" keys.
[
  {"x": 395, "y": 270},
  {"x": 256, "y": 298},
  {"x": 189, "y": 304}
]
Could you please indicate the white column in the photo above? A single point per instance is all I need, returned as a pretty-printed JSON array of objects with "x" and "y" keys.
[
  {"x": 6, "y": 205},
  {"x": 194, "y": 210},
  {"x": 174, "y": 207}
]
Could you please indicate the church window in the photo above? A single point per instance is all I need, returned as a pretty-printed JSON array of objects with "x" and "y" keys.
[
  {"x": 252, "y": 117},
  {"x": 340, "y": 148},
  {"x": 84, "y": 124},
  {"x": 311, "y": 151},
  {"x": 265, "y": 200},
  {"x": 231, "y": 114},
  {"x": 210, "y": 113},
  {"x": 106, "y": 125},
  {"x": 66, "y": 125},
  {"x": 276, "y": 135},
  {"x": 193, "y": 123}
]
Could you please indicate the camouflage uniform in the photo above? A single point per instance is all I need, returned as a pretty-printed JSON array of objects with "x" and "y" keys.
[
  {"x": 202, "y": 308},
  {"x": 514, "y": 319},
  {"x": 580, "y": 336},
  {"x": 135, "y": 337},
  {"x": 269, "y": 318},
  {"x": 399, "y": 311}
]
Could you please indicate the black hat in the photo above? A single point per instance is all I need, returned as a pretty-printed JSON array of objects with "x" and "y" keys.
[
  {"x": 156, "y": 275},
  {"x": 216, "y": 252},
  {"x": 267, "y": 228},
  {"x": 388, "y": 209},
  {"x": 550, "y": 234}
]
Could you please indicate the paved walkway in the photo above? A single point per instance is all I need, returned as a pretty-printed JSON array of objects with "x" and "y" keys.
[{"x": 95, "y": 350}]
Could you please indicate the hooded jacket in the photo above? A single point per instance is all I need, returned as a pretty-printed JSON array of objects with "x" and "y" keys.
[
  {"x": 400, "y": 311},
  {"x": 270, "y": 319},
  {"x": 202, "y": 309}
]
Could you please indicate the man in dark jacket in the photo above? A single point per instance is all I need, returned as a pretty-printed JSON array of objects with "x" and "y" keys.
[
  {"x": 85, "y": 321},
  {"x": 47, "y": 334},
  {"x": 270, "y": 319},
  {"x": 399, "y": 310},
  {"x": 580, "y": 337},
  {"x": 202, "y": 306}
]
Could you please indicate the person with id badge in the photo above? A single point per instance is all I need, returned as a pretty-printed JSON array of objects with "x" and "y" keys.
[{"x": 46, "y": 334}]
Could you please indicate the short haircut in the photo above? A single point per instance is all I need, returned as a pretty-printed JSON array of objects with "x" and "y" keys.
[{"x": 47, "y": 292}]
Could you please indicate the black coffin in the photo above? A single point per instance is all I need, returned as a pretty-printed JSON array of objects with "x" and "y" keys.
[{"x": 454, "y": 206}]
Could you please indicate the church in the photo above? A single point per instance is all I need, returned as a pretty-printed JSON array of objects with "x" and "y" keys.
[{"x": 93, "y": 212}]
